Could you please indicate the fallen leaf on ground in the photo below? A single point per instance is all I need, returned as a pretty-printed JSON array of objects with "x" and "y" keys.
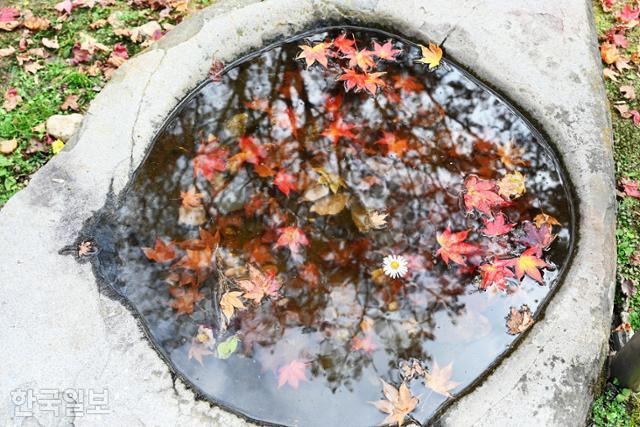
[
  {"x": 11, "y": 99},
  {"x": 50, "y": 43},
  {"x": 70, "y": 102},
  {"x": 628, "y": 92},
  {"x": 519, "y": 320},
  {"x": 630, "y": 187}
]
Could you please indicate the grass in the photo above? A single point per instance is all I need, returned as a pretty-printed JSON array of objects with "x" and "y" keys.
[
  {"x": 44, "y": 93},
  {"x": 617, "y": 406}
]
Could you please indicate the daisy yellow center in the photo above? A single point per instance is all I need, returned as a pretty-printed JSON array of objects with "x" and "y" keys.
[{"x": 395, "y": 264}]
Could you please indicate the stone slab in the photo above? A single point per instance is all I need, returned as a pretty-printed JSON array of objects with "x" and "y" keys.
[{"x": 59, "y": 332}]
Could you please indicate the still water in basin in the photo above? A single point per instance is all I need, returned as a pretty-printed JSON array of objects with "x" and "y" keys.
[{"x": 333, "y": 220}]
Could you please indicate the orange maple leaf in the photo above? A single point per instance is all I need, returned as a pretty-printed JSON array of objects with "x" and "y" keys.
[
  {"x": 161, "y": 252},
  {"x": 318, "y": 53},
  {"x": 260, "y": 284}
]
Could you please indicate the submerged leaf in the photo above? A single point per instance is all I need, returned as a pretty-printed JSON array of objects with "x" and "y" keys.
[{"x": 331, "y": 205}]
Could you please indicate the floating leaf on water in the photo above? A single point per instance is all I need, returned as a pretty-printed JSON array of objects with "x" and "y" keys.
[
  {"x": 519, "y": 320},
  {"x": 227, "y": 347}
]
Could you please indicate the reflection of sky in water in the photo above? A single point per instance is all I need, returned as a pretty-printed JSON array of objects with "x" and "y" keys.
[{"x": 441, "y": 315}]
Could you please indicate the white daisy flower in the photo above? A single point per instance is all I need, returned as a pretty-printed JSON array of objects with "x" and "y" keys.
[{"x": 395, "y": 266}]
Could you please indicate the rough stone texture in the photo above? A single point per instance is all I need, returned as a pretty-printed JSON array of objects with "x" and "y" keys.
[
  {"x": 63, "y": 126},
  {"x": 59, "y": 332}
]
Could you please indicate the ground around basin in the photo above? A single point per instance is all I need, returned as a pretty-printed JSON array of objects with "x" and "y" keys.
[{"x": 619, "y": 37}]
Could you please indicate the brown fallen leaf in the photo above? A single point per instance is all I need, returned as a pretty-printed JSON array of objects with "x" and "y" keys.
[
  {"x": 32, "y": 67},
  {"x": 519, "y": 320},
  {"x": 611, "y": 74},
  {"x": 50, "y": 43},
  {"x": 628, "y": 92},
  {"x": 34, "y": 23},
  {"x": 7, "y": 51},
  {"x": 70, "y": 102},
  {"x": 11, "y": 99}
]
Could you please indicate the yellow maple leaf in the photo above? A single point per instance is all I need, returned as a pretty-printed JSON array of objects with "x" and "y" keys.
[
  {"x": 229, "y": 302},
  {"x": 57, "y": 146},
  {"x": 512, "y": 185},
  {"x": 431, "y": 55}
]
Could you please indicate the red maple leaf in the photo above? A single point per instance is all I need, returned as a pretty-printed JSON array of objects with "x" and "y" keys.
[
  {"x": 482, "y": 195},
  {"x": 285, "y": 182},
  {"x": 210, "y": 159},
  {"x": 361, "y": 58},
  {"x": 628, "y": 14},
  {"x": 8, "y": 14},
  {"x": 291, "y": 237},
  {"x": 344, "y": 44},
  {"x": 292, "y": 373},
  {"x": 497, "y": 226},
  {"x": 619, "y": 39},
  {"x": 407, "y": 83},
  {"x": 317, "y": 53},
  {"x": 339, "y": 129},
  {"x": 528, "y": 263},
  {"x": 362, "y": 81},
  {"x": 253, "y": 150},
  {"x": 495, "y": 273},
  {"x": 452, "y": 246},
  {"x": 385, "y": 51},
  {"x": 161, "y": 252},
  {"x": 333, "y": 103},
  {"x": 394, "y": 145},
  {"x": 630, "y": 187}
]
